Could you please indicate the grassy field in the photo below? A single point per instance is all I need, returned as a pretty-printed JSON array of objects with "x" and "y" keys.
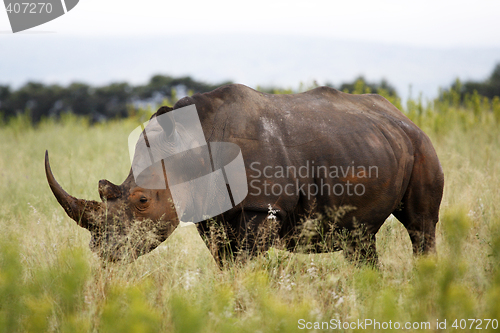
[{"x": 51, "y": 282}]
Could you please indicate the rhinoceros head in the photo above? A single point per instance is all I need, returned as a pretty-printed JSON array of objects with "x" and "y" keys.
[{"x": 130, "y": 221}]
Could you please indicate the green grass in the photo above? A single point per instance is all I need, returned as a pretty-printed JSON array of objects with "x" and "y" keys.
[{"x": 51, "y": 282}]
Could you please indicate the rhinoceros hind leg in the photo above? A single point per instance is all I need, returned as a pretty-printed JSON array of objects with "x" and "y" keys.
[
  {"x": 419, "y": 209},
  {"x": 421, "y": 229}
]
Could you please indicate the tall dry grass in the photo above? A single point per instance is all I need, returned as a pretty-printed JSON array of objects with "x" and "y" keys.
[{"x": 51, "y": 282}]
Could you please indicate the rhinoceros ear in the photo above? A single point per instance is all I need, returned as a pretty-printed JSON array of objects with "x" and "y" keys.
[
  {"x": 166, "y": 120},
  {"x": 108, "y": 190}
]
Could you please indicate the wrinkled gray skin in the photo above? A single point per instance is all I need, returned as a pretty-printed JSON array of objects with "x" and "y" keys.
[{"x": 323, "y": 125}]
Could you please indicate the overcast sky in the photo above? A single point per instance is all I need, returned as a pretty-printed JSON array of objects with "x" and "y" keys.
[
  {"x": 425, "y": 44},
  {"x": 430, "y": 23}
]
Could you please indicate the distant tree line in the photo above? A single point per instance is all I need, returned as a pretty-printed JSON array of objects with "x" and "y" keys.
[
  {"x": 116, "y": 100},
  {"x": 358, "y": 86},
  {"x": 369, "y": 87},
  {"x": 487, "y": 88},
  {"x": 99, "y": 103}
]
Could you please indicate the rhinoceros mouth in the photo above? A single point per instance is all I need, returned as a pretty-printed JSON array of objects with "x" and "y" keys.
[{"x": 80, "y": 210}]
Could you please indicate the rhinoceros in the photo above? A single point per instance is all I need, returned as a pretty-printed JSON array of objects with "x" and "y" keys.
[{"x": 322, "y": 165}]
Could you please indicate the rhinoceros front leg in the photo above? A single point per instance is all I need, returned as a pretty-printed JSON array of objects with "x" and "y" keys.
[
  {"x": 220, "y": 239},
  {"x": 241, "y": 238}
]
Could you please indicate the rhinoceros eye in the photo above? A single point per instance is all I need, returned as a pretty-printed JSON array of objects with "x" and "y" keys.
[{"x": 143, "y": 199}]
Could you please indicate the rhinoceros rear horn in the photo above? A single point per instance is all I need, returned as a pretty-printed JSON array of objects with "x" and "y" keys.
[{"x": 82, "y": 211}]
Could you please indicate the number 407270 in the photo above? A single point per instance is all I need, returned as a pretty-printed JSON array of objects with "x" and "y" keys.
[
  {"x": 475, "y": 323},
  {"x": 29, "y": 8}
]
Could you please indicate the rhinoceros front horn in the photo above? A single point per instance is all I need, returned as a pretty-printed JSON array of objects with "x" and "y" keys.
[{"x": 82, "y": 211}]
